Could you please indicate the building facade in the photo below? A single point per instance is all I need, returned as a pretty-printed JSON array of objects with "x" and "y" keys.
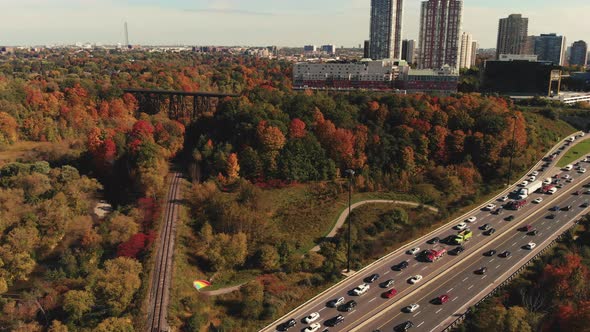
[
  {"x": 579, "y": 54},
  {"x": 512, "y": 35},
  {"x": 386, "y": 29},
  {"x": 466, "y": 50},
  {"x": 329, "y": 49},
  {"x": 409, "y": 50},
  {"x": 474, "y": 52},
  {"x": 440, "y": 33},
  {"x": 550, "y": 47},
  {"x": 309, "y": 49}
]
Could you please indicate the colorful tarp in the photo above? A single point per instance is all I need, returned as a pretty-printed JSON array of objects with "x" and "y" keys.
[{"x": 198, "y": 284}]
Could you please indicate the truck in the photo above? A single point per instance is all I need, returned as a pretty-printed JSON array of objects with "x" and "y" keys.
[
  {"x": 529, "y": 189},
  {"x": 463, "y": 236},
  {"x": 435, "y": 254},
  {"x": 516, "y": 205}
]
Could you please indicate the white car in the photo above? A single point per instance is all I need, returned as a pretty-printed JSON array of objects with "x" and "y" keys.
[
  {"x": 531, "y": 245},
  {"x": 568, "y": 168},
  {"x": 415, "y": 279},
  {"x": 311, "y": 318},
  {"x": 538, "y": 200},
  {"x": 313, "y": 327},
  {"x": 570, "y": 180},
  {"x": 361, "y": 289},
  {"x": 503, "y": 198},
  {"x": 567, "y": 176},
  {"x": 585, "y": 160},
  {"x": 524, "y": 184},
  {"x": 582, "y": 170},
  {"x": 535, "y": 173},
  {"x": 547, "y": 181},
  {"x": 412, "y": 307},
  {"x": 552, "y": 191},
  {"x": 490, "y": 207},
  {"x": 532, "y": 178},
  {"x": 413, "y": 251},
  {"x": 461, "y": 226},
  {"x": 471, "y": 219}
]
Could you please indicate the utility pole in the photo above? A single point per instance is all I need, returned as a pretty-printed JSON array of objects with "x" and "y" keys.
[
  {"x": 513, "y": 148},
  {"x": 350, "y": 173}
]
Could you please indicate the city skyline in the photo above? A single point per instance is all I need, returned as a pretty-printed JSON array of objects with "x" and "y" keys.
[{"x": 260, "y": 22}]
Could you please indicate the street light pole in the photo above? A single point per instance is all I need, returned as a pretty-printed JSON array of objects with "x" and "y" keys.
[
  {"x": 513, "y": 148},
  {"x": 350, "y": 173}
]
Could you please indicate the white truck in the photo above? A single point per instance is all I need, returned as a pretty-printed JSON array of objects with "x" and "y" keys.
[{"x": 529, "y": 189}]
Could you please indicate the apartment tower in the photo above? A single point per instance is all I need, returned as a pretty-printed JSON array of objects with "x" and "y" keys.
[
  {"x": 579, "y": 54},
  {"x": 512, "y": 35},
  {"x": 386, "y": 29},
  {"x": 440, "y": 33},
  {"x": 466, "y": 50}
]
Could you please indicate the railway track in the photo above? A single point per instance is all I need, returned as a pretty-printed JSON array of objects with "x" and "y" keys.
[{"x": 162, "y": 276}]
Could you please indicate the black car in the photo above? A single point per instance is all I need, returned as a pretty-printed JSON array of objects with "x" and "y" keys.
[
  {"x": 510, "y": 218},
  {"x": 404, "y": 326},
  {"x": 533, "y": 232},
  {"x": 434, "y": 240},
  {"x": 287, "y": 325},
  {"x": 482, "y": 270},
  {"x": 551, "y": 216},
  {"x": 490, "y": 231},
  {"x": 348, "y": 306},
  {"x": 457, "y": 250},
  {"x": 498, "y": 211},
  {"x": 335, "y": 320},
  {"x": 585, "y": 205},
  {"x": 505, "y": 254},
  {"x": 566, "y": 208},
  {"x": 372, "y": 278},
  {"x": 401, "y": 266},
  {"x": 490, "y": 253},
  {"x": 486, "y": 227},
  {"x": 555, "y": 208}
]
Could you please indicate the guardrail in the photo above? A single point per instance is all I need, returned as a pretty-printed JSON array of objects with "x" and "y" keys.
[
  {"x": 271, "y": 326},
  {"x": 508, "y": 280}
]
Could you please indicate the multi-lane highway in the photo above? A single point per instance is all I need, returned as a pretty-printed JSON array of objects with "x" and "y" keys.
[{"x": 453, "y": 275}]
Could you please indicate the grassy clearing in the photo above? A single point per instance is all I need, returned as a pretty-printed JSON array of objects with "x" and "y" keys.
[
  {"x": 576, "y": 152},
  {"x": 28, "y": 151}
]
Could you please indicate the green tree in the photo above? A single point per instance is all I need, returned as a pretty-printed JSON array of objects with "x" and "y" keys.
[
  {"x": 252, "y": 299},
  {"x": 268, "y": 258},
  {"x": 77, "y": 303},
  {"x": 117, "y": 283},
  {"x": 115, "y": 324}
]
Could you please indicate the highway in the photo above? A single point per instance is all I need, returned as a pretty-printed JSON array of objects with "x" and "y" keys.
[{"x": 452, "y": 274}]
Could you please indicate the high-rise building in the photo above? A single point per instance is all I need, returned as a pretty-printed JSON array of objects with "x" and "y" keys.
[
  {"x": 512, "y": 35},
  {"x": 440, "y": 33},
  {"x": 386, "y": 29},
  {"x": 309, "y": 49},
  {"x": 329, "y": 49},
  {"x": 409, "y": 50},
  {"x": 465, "y": 54},
  {"x": 474, "y": 49},
  {"x": 579, "y": 54},
  {"x": 550, "y": 47},
  {"x": 367, "y": 50}
]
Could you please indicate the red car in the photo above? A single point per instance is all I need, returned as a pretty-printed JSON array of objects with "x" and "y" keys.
[
  {"x": 443, "y": 298},
  {"x": 390, "y": 293}
]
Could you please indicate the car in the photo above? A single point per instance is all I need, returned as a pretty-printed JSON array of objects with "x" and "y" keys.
[
  {"x": 490, "y": 231},
  {"x": 570, "y": 180},
  {"x": 503, "y": 199},
  {"x": 568, "y": 168},
  {"x": 551, "y": 216},
  {"x": 526, "y": 228},
  {"x": 490, "y": 253},
  {"x": 311, "y": 318},
  {"x": 482, "y": 270},
  {"x": 335, "y": 320},
  {"x": 442, "y": 299},
  {"x": 489, "y": 207},
  {"x": 547, "y": 181},
  {"x": 566, "y": 208},
  {"x": 530, "y": 245},
  {"x": 587, "y": 192},
  {"x": 555, "y": 208},
  {"x": 535, "y": 173},
  {"x": 413, "y": 251},
  {"x": 390, "y": 293},
  {"x": 510, "y": 218},
  {"x": 582, "y": 170},
  {"x": 532, "y": 179},
  {"x": 461, "y": 226},
  {"x": 415, "y": 279},
  {"x": 533, "y": 232},
  {"x": 412, "y": 307},
  {"x": 387, "y": 283},
  {"x": 434, "y": 240},
  {"x": 485, "y": 227},
  {"x": 372, "y": 278},
  {"x": 400, "y": 266},
  {"x": 361, "y": 289},
  {"x": 348, "y": 306},
  {"x": 577, "y": 192},
  {"x": 499, "y": 211},
  {"x": 585, "y": 204},
  {"x": 538, "y": 200},
  {"x": 554, "y": 190},
  {"x": 471, "y": 219},
  {"x": 287, "y": 325},
  {"x": 505, "y": 254},
  {"x": 403, "y": 326},
  {"x": 312, "y": 328},
  {"x": 458, "y": 250},
  {"x": 336, "y": 302},
  {"x": 566, "y": 176},
  {"x": 523, "y": 183}
]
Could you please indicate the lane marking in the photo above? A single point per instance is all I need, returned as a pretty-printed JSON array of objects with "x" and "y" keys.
[
  {"x": 450, "y": 290},
  {"x": 453, "y": 300},
  {"x": 509, "y": 257},
  {"x": 373, "y": 299},
  {"x": 322, "y": 309},
  {"x": 424, "y": 268},
  {"x": 386, "y": 272},
  {"x": 483, "y": 277},
  {"x": 514, "y": 244},
  {"x": 439, "y": 310},
  {"x": 470, "y": 287},
  {"x": 465, "y": 279},
  {"x": 420, "y": 324},
  {"x": 417, "y": 313},
  {"x": 492, "y": 260},
  {"x": 498, "y": 266}
]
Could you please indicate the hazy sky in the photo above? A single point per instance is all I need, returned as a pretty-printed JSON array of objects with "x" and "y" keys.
[{"x": 258, "y": 22}]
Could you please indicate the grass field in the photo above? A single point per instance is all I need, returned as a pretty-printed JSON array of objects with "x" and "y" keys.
[{"x": 576, "y": 152}]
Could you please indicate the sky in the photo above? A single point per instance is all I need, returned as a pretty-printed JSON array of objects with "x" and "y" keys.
[{"x": 259, "y": 22}]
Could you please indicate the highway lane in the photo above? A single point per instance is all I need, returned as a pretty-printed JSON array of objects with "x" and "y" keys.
[
  {"x": 464, "y": 286},
  {"x": 372, "y": 304}
]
